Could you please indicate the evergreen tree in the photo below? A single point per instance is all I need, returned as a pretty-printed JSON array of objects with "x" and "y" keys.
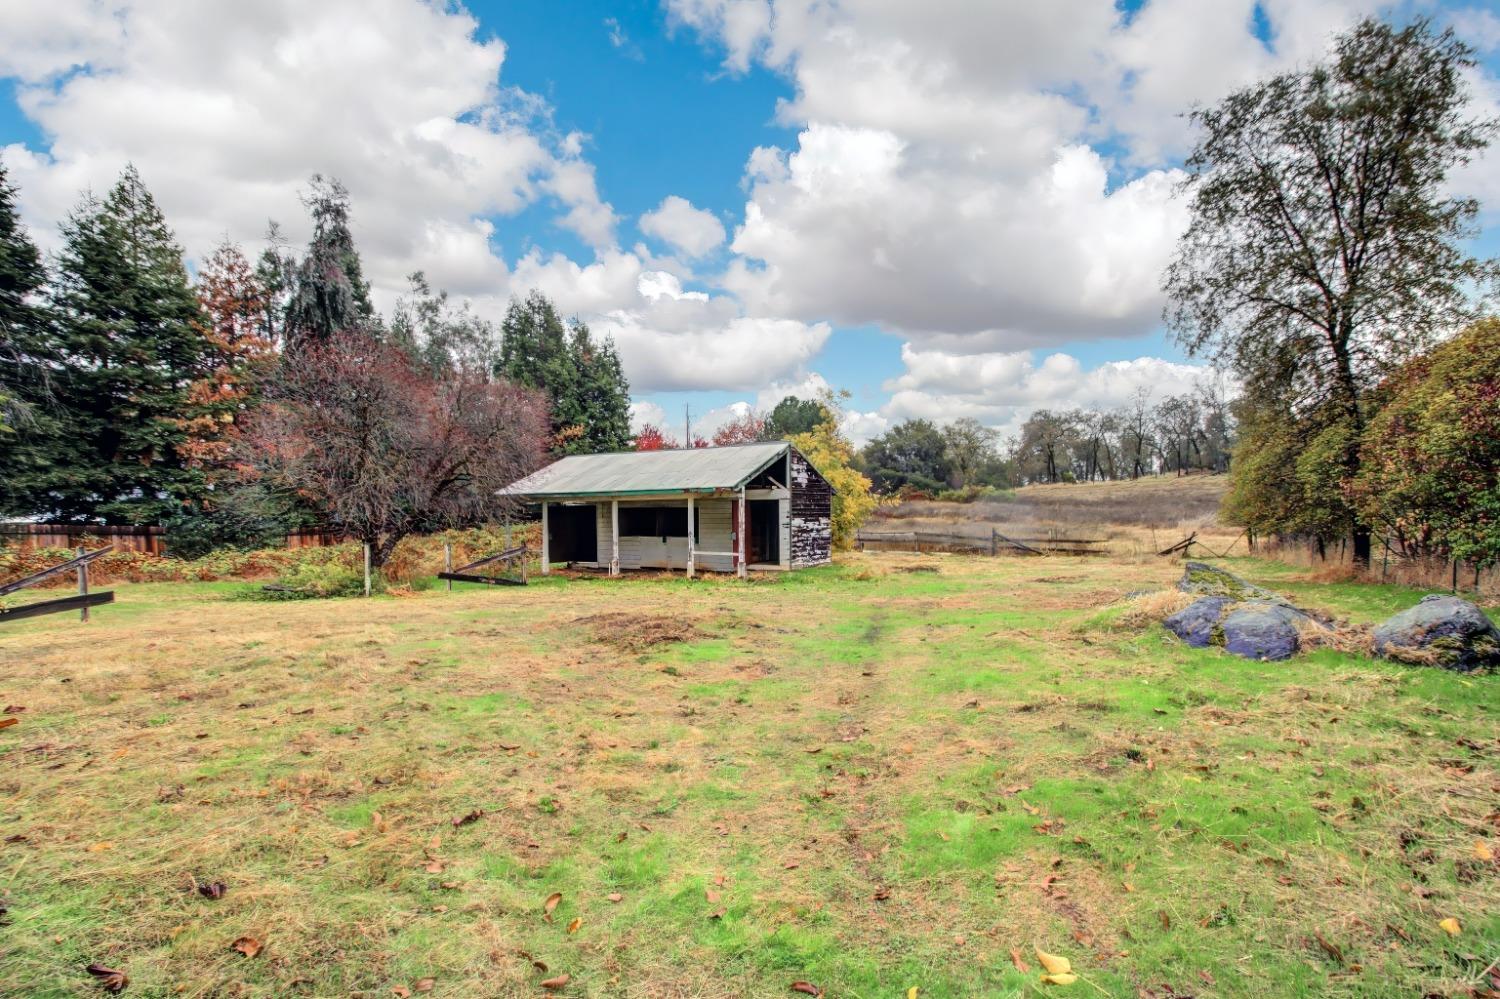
[
  {"x": 329, "y": 293},
  {"x": 27, "y": 358},
  {"x": 583, "y": 380},
  {"x": 276, "y": 273},
  {"x": 129, "y": 332},
  {"x": 794, "y": 416}
]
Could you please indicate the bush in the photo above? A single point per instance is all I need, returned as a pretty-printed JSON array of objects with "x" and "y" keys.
[
  {"x": 313, "y": 581},
  {"x": 972, "y": 494}
]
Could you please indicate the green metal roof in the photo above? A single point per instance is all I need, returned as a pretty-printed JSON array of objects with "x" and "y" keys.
[{"x": 636, "y": 472}]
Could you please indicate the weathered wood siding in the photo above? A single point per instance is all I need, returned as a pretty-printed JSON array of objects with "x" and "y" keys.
[
  {"x": 811, "y": 528},
  {"x": 714, "y": 529}
]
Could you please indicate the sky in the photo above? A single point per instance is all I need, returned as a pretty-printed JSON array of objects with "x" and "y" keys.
[{"x": 950, "y": 208}]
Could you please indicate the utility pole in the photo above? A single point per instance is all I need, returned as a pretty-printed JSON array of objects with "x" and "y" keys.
[{"x": 687, "y": 426}]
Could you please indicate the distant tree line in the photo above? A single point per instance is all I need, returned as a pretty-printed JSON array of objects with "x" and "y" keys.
[{"x": 249, "y": 398}]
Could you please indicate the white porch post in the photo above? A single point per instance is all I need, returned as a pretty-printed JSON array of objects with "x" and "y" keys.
[
  {"x": 692, "y": 553},
  {"x": 614, "y": 537},
  {"x": 546, "y": 548},
  {"x": 744, "y": 530}
]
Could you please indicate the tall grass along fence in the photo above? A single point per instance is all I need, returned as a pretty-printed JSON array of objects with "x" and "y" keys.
[
  {"x": 1335, "y": 560},
  {"x": 992, "y": 543},
  {"x": 147, "y": 540}
]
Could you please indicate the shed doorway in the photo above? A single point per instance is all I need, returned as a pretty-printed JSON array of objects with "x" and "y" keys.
[
  {"x": 765, "y": 532},
  {"x": 573, "y": 534}
]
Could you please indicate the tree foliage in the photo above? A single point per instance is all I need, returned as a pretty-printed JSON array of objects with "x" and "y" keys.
[
  {"x": 831, "y": 453},
  {"x": 1430, "y": 469},
  {"x": 745, "y": 428},
  {"x": 582, "y": 377},
  {"x": 386, "y": 447},
  {"x": 26, "y": 342},
  {"x": 910, "y": 455},
  {"x": 328, "y": 293},
  {"x": 1323, "y": 248},
  {"x": 792, "y": 416}
]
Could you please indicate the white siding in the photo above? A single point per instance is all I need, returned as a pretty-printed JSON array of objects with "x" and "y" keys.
[{"x": 714, "y": 528}]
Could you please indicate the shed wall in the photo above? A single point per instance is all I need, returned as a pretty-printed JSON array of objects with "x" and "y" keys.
[
  {"x": 715, "y": 526},
  {"x": 811, "y": 528}
]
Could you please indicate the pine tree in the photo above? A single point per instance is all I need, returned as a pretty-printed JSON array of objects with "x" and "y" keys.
[
  {"x": 585, "y": 385},
  {"x": 330, "y": 294},
  {"x": 131, "y": 342},
  {"x": 28, "y": 430}
]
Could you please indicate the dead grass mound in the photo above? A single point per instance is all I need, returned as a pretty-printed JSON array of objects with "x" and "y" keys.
[
  {"x": 640, "y": 632},
  {"x": 1150, "y": 608}
]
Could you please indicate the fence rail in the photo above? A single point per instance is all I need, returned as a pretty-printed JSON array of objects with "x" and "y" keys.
[{"x": 993, "y": 543}]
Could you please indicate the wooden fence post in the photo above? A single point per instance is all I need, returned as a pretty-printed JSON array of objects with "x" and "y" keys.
[
  {"x": 448, "y": 561},
  {"x": 83, "y": 586},
  {"x": 367, "y": 569},
  {"x": 994, "y": 541}
]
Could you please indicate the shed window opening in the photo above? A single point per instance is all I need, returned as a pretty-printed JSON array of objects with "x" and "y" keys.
[{"x": 658, "y": 522}]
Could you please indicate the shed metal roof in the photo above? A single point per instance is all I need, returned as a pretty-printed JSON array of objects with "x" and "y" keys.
[{"x": 625, "y": 472}]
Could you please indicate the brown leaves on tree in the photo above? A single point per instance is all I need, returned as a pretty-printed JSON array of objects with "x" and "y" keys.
[
  {"x": 249, "y": 946},
  {"x": 109, "y": 979}
]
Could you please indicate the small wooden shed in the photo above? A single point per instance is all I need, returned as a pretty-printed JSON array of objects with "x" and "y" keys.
[{"x": 726, "y": 509}]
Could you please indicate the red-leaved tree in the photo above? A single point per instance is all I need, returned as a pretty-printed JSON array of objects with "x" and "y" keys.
[
  {"x": 386, "y": 448},
  {"x": 653, "y": 438},
  {"x": 746, "y": 428}
]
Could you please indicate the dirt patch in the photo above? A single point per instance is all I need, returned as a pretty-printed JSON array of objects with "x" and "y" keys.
[{"x": 639, "y": 632}]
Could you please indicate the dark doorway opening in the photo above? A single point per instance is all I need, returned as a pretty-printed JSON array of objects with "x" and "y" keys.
[
  {"x": 765, "y": 531},
  {"x": 572, "y": 534}
]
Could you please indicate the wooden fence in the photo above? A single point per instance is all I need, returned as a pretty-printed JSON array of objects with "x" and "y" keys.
[
  {"x": 150, "y": 540},
  {"x": 993, "y": 543}
]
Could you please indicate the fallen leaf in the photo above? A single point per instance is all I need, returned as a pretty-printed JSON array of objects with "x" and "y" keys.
[
  {"x": 473, "y": 816},
  {"x": 911, "y": 993},
  {"x": 614, "y": 896},
  {"x": 13, "y": 709},
  {"x": 98, "y": 847},
  {"x": 551, "y": 904},
  {"x": 450, "y": 885},
  {"x": 577, "y": 922},
  {"x": 110, "y": 979},
  {"x": 1164, "y": 919},
  {"x": 558, "y": 982},
  {"x": 1329, "y": 947},
  {"x": 213, "y": 889},
  {"x": 423, "y": 984},
  {"x": 1066, "y": 978},
  {"x": 1482, "y": 851},
  {"x": 807, "y": 988},
  {"x": 8, "y": 722},
  {"x": 401, "y": 992},
  {"x": 882, "y": 894},
  {"x": 249, "y": 946},
  {"x": 1055, "y": 965},
  {"x": 1450, "y": 926},
  {"x": 434, "y": 867}
]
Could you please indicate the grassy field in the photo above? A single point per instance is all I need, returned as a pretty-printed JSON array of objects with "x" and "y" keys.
[{"x": 894, "y": 772}]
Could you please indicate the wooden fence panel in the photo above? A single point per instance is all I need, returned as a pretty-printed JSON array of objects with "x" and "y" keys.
[{"x": 150, "y": 540}]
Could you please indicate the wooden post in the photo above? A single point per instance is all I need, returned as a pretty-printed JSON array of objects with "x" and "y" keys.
[
  {"x": 367, "y": 568},
  {"x": 83, "y": 586},
  {"x": 614, "y": 537},
  {"x": 692, "y": 542},
  {"x": 546, "y": 548},
  {"x": 994, "y": 542},
  {"x": 744, "y": 530},
  {"x": 448, "y": 561}
]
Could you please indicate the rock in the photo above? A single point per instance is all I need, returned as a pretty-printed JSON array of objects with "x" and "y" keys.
[
  {"x": 1262, "y": 629},
  {"x": 1442, "y": 630},
  {"x": 1195, "y": 623},
  {"x": 1211, "y": 581}
]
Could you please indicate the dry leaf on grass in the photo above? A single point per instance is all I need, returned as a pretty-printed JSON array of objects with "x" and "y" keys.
[
  {"x": 1067, "y": 978},
  {"x": 423, "y": 984},
  {"x": 807, "y": 988},
  {"x": 1055, "y": 965},
  {"x": 212, "y": 889},
  {"x": 249, "y": 946},
  {"x": 573, "y": 926},
  {"x": 558, "y": 982},
  {"x": 1450, "y": 926},
  {"x": 614, "y": 896},
  {"x": 1482, "y": 851},
  {"x": 473, "y": 816},
  {"x": 550, "y": 904},
  {"x": 401, "y": 992},
  {"x": 1019, "y": 961},
  {"x": 8, "y": 722},
  {"x": 110, "y": 979}
]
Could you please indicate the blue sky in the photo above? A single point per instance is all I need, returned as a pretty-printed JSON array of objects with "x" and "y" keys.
[{"x": 949, "y": 209}]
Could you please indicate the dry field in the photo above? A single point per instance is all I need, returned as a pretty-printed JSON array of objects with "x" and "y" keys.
[
  {"x": 894, "y": 772},
  {"x": 1131, "y": 517}
]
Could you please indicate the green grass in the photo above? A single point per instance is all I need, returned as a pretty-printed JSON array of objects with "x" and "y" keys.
[{"x": 856, "y": 776}]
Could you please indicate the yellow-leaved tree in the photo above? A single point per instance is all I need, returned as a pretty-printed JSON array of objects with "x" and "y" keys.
[{"x": 832, "y": 454}]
